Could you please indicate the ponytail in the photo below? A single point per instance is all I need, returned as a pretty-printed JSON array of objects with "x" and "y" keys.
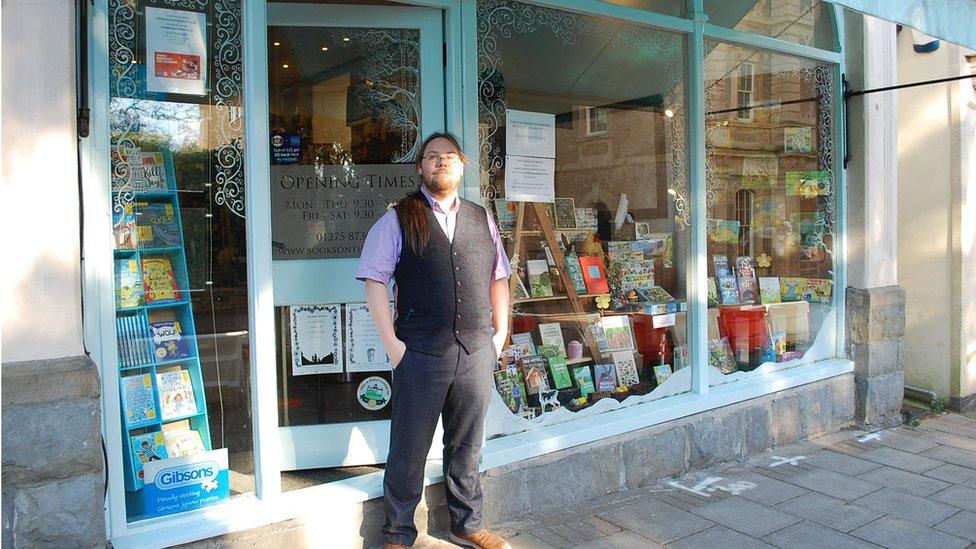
[{"x": 411, "y": 212}]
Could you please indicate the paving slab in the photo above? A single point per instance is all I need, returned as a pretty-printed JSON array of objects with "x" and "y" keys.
[
  {"x": 656, "y": 520},
  {"x": 905, "y": 440},
  {"x": 961, "y": 525},
  {"x": 828, "y": 511},
  {"x": 748, "y": 517},
  {"x": 951, "y": 473},
  {"x": 959, "y": 496},
  {"x": 718, "y": 537},
  {"x": 834, "y": 484},
  {"x": 897, "y": 504},
  {"x": 840, "y": 462},
  {"x": 528, "y": 541},
  {"x": 963, "y": 443},
  {"x": 953, "y": 455},
  {"x": 810, "y": 534},
  {"x": 903, "y": 481},
  {"x": 903, "y": 534},
  {"x": 952, "y": 427},
  {"x": 903, "y": 460},
  {"x": 620, "y": 540},
  {"x": 769, "y": 491}
]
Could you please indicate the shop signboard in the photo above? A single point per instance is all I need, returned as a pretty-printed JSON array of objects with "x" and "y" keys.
[{"x": 180, "y": 484}]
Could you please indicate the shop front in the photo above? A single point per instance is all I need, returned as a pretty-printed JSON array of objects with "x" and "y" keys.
[{"x": 666, "y": 176}]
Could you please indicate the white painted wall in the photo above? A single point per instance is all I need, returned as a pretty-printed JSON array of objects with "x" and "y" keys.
[
  {"x": 937, "y": 206},
  {"x": 41, "y": 289}
]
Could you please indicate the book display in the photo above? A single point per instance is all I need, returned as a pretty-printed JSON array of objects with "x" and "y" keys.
[
  {"x": 583, "y": 330},
  {"x": 164, "y": 412}
]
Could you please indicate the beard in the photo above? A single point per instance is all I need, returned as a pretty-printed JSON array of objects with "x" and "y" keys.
[{"x": 440, "y": 183}]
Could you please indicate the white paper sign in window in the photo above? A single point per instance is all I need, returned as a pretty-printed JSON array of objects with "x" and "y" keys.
[{"x": 176, "y": 51}]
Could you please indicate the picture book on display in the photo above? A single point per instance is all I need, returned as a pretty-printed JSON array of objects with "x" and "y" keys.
[
  {"x": 720, "y": 355},
  {"x": 746, "y": 280},
  {"x": 167, "y": 340},
  {"x": 183, "y": 442},
  {"x": 584, "y": 380},
  {"x": 661, "y": 373},
  {"x": 158, "y": 279},
  {"x": 137, "y": 398},
  {"x": 606, "y": 377},
  {"x": 132, "y": 339},
  {"x": 533, "y": 370},
  {"x": 575, "y": 273},
  {"x": 524, "y": 343},
  {"x": 560, "y": 372},
  {"x": 618, "y": 333},
  {"x": 565, "y": 214},
  {"x": 626, "y": 368},
  {"x": 145, "y": 448},
  {"x": 792, "y": 288},
  {"x": 599, "y": 336},
  {"x": 176, "y": 394},
  {"x": 124, "y": 227},
  {"x": 594, "y": 274},
  {"x": 635, "y": 275},
  {"x": 728, "y": 289},
  {"x": 506, "y": 213},
  {"x": 128, "y": 284},
  {"x": 769, "y": 289},
  {"x": 548, "y": 350},
  {"x": 654, "y": 294},
  {"x": 521, "y": 292},
  {"x": 147, "y": 170},
  {"x": 156, "y": 225},
  {"x": 511, "y": 388},
  {"x": 539, "y": 282},
  {"x": 552, "y": 334}
]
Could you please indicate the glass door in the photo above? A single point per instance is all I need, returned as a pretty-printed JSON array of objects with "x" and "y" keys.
[{"x": 352, "y": 92}]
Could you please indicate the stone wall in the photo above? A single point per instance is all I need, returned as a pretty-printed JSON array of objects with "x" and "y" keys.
[
  {"x": 564, "y": 478},
  {"x": 875, "y": 328},
  {"x": 53, "y": 466}
]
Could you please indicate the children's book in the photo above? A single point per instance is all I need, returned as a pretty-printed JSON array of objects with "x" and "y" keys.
[
  {"x": 661, "y": 373},
  {"x": 153, "y": 172},
  {"x": 552, "y": 334},
  {"x": 124, "y": 227},
  {"x": 818, "y": 290},
  {"x": 586, "y": 219},
  {"x": 584, "y": 380},
  {"x": 565, "y": 214},
  {"x": 712, "y": 290},
  {"x": 506, "y": 212},
  {"x": 618, "y": 333},
  {"x": 777, "y": 340},
  {"x": 792, "y": 288},
  {"x": 547, "y": 351},
  {"x": 145, "y": 448},
  {"x": 158, "y": 279},
  {"x": 769, "y": 289},
  {"x": 512, "y": 389},
  {"x": 746, "y": 280},
  {"x": 599, "y": 336},
  {"x": 606, "y": 376},
  {"x": 137, "y": 398},
  {"x": 184, "y": 442},
  {"x": 723, "y": 231},
  {"x": 167, "y": 340},
  {"x": 533, "y": 369},
  {"x": 575, "y": 273},
  {"x": 176, "y": 394},
  {"x": 594, "y": 274},
  {"x": 728, "y": 290},
  {"x": 662, "y": 245},
  {"x": 560, "y": 372},
  {"x": 539, "y": 282},
  {"x": 720, "y": 355},
  {"x": 626, "y": 368},
  {"x": 525, "y": 344},
  {"x": 157, "y": 226},
  {"x": 809, "y": 184},
  {"x": 654, "y": 294},
  {"x": 521, "y": 292},
  {"x": 128, "y": 285}
]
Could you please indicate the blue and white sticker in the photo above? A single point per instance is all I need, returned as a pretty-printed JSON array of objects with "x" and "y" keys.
[{"x": 180, "y": 484}]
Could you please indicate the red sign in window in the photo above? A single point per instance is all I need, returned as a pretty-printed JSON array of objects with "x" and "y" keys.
[{"x": 177, "y": 65}]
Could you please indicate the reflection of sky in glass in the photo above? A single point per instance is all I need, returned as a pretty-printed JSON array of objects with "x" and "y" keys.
[{"x": 178, "y": 123}]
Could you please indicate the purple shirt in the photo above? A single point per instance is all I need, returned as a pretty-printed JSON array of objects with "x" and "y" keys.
[{"x": 381, "y": 251}]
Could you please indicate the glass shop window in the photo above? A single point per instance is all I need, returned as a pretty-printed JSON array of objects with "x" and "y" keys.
[
  {"x": 180, "y": 255},
  {"x": 770, "y": 191},
  {"x": 804, "y": 22},
  {"x": 591, "y": 197}
]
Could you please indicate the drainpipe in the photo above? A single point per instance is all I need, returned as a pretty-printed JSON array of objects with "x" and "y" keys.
[{"x": 924, "y": 395}]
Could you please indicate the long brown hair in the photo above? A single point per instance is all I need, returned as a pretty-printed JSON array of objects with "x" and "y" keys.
[{"x": 412, "y": 210}]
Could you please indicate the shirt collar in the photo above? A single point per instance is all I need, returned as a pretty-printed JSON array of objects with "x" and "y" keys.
[{"x": 453, "y": 202}]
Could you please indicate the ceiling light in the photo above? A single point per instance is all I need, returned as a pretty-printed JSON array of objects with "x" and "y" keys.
[
  {"x": 325, "y": 48},
  {"x": 669, "y": 113},
  {"x": 285, "y": 66},
  {"x": 345, "y": 38},
  {"x": 277, "y": 43}
]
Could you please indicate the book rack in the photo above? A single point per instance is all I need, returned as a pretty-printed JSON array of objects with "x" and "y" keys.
[
  {"x": 518, "y": 250},
  {"x": 141, "y": 307}
]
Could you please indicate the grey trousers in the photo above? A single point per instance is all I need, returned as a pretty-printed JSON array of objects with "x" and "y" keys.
[{"x": 457, "y": 385}]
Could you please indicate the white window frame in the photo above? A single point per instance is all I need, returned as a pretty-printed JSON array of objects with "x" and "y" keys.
[
  {"x": 741, "y": 92},
  {"x": 602, "y": 115}
]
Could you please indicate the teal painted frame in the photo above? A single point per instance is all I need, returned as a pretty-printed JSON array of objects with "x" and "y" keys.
[{"x": 461, "y": 118}]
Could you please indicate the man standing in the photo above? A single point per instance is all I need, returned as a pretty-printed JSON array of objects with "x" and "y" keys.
[{"x": 451, "y": 291}]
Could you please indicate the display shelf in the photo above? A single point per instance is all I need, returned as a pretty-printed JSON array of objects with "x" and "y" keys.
[
  {"x": 553, "y": 298},
  {"x": 148, "y": 328},
  {"x": 581, "y": 360}
]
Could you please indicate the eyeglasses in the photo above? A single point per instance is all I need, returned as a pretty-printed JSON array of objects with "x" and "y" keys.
[{"x": 450, "y": 158}]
